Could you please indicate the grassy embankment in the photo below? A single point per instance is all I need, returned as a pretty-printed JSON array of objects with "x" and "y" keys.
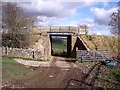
[{"x": 102, "y": 43}]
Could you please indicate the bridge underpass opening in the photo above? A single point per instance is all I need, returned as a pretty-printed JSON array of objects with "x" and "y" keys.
[{"x": 61, "y": 45}]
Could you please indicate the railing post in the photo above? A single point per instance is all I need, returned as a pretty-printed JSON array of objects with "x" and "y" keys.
[
  {"x": 50, "y": 28},
  {"x": 69, "y": 29},
  {"x": 77, "y": 53},
  {"x": 78, "y": 30},
  {"x": 59, "y": 28}
]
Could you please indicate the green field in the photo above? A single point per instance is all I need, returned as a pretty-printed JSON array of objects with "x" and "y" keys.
[
  {"x": 59, "y": 46},
  {"x": 11, "y": 69}
]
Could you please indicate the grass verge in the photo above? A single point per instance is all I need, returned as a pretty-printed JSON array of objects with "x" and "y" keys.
[
  {"x": 10, "y": 57},
  {"x": 11, "y": 69},
  {"x": 73, "y": 59}
]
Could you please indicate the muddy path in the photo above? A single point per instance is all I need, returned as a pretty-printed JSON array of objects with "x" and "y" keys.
[
  {"x": 61, "y": 73},
  {"x": 57, "y": 75}
]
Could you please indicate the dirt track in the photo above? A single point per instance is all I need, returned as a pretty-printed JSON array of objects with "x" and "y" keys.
[
  {"x": 56, "y": 61},
  {"x": 62, "y": 74},
  {"x": 57, "y": 75}
]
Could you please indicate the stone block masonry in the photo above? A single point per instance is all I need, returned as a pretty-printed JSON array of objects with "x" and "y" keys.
[
  {"x": 85, "y": 55},
  {"x": 19, "y": 52}
]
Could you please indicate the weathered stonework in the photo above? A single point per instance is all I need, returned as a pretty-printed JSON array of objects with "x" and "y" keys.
[
  {"x": 76, "y": 30},
  {"x": 85, "y": 55},
  {"x": 42, "y": 48},
  {"x": 44, "y": 45},
  {"x": 24, "y": 53}
]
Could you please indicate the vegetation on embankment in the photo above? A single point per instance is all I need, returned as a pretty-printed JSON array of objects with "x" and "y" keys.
[
  {"x": 23, "y": 41},
  {"x": 101, "y": 42}
]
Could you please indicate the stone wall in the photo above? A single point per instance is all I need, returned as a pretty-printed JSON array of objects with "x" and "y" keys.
[
  {"x": 85, "y": 55},
  {"x": 24, "y": 53}
]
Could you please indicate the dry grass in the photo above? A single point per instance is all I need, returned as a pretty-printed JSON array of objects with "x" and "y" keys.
[
  {"x": 102, "y": 42},
  {"x": 33, "y": 39}
]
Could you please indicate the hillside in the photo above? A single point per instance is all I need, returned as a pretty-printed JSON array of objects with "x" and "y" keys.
[{"x": 101, "y": 43}]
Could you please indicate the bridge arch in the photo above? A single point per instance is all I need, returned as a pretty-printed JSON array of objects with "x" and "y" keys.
[
  {"x": 69, "y": 41},
  {"x": 73, "y": 39}
]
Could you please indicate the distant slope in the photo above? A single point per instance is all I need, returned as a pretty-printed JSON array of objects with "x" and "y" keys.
[{"x": 101, "y": 42}]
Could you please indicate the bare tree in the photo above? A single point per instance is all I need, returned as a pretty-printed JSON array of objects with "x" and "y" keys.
[
  {"x": 114, "y": 23},
  {"x": 18, "y": 24},
  {"x": 15, "y": 19}
]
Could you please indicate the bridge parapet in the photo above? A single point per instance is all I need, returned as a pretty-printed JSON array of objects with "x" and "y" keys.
[{"x": 76, "y": 30}]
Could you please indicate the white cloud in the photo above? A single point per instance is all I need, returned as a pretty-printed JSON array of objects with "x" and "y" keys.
[
  {"x": 102, "y": 16},
  {"x": 101, "y": 19},
  {"x": 52, "y": 13},
  {"x": 88, "y": 22},
  {"x": 50, "y": 8},
  {"x": 49, "y": 12},
  {"x": 73, "y": 24},
  {"x": 99, "y": 22},
  {"x": 105, "y": 4},
  {"x": 98, "y": 33},
  {"x": 48, "y": 21}
]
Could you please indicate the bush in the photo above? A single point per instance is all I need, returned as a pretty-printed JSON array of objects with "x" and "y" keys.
[
  {"x": 19, "y": 40},
  {"x": 15, "y": 41}
]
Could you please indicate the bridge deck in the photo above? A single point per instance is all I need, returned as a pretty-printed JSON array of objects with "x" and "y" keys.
[
  {"x": 60, "y": 33},
  {"x": 77, "y": 30}
]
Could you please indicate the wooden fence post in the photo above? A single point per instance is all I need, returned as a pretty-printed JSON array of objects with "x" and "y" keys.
[
  {"x": 6, "y": 50},
  {"x": 33, "y": 54}
]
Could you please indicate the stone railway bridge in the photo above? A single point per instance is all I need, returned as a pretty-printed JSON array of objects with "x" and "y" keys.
[{"x": 44, "y": 44}]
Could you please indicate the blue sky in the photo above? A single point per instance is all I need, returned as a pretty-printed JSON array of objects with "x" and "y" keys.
[
  {"x": 84, "y": 13},
  {"x": 96, "y": 15}
]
